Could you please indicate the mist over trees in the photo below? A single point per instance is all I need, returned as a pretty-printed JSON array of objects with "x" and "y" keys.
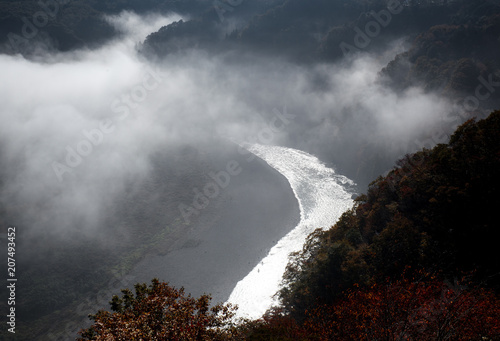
[
  {"x": 367, "y": 82},
  {"x": 409, "y": 260},
  {"x": 446, "y": 48},
  {"x": 419, "y": 216}
]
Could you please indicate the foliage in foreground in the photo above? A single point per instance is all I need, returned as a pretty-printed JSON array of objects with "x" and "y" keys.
[
  {"x": 431, "y": 219},
  {"x": 420, "y": 307},
  {"x": 160, "y": 312}
]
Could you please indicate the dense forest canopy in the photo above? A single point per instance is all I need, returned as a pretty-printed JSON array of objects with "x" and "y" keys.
[
  {"x": 434, "y": 211},
  {"x": 428, "y": 224},
  {"x": 415, "y": 258}
]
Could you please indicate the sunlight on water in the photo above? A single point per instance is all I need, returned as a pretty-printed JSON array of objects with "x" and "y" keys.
[{"x": 322, "y": 195}]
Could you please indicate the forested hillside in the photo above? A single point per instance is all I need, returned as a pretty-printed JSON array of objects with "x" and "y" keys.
[
  {"x": 453, "y": 57},
  {"x": 448, "y": 49},
  {"x": 450, "y": 42},
  {"x": 30, "y": 27},
  {"x": 364, "y": 82},
  {"x": 416, "y": 258},
  {"x": 433, "y": 213}
]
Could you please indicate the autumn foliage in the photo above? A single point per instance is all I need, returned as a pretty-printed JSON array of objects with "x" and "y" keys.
[
  {"x": 436, "y": 211},
  {"x": 161, "y": 313},
  {"x": 417, "y": 306},
  {"x": 410, "y": 309},
  {"x": 386, "y": 271},
  {"x": 275, "y": 325}
]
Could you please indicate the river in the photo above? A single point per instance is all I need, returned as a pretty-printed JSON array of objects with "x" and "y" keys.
[{"x": 322, "y": 195}]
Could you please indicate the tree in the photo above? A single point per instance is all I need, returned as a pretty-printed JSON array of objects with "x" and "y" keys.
[
  {"x": 274, "y": 325},
  {"x": 160, "y": 312},
  {"x": 423, "y": 308},
  {"x": 436, "y": 210}
]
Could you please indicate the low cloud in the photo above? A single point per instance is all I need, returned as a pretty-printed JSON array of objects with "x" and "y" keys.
[{"x": 78, "y": 125}]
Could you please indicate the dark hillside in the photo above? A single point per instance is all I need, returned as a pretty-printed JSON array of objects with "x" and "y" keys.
[
  {"x": 415, "y": 259},
  {"x": 453, "y": 57},
  {"x": 435, "y": 211},
  {"x": 30, "y": 27}
]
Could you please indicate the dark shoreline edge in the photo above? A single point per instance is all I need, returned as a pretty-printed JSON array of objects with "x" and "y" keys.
[{"x": 257, "y": 209}]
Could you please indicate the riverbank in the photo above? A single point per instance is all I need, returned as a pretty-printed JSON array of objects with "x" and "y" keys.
[{"x": 255, "y": 210}]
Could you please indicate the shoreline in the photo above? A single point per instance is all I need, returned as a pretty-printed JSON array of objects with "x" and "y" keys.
[
  {"x": 258, "y": 208},
  {"x": 323, "y": 196}
]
